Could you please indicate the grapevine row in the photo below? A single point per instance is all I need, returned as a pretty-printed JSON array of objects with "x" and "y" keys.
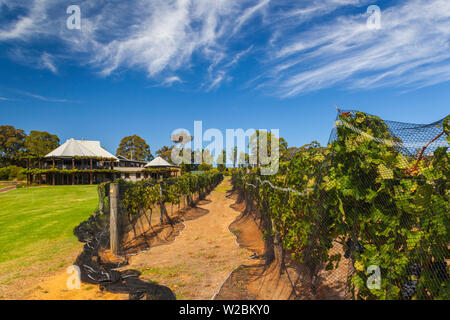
[{"x": 385, "y": 208}]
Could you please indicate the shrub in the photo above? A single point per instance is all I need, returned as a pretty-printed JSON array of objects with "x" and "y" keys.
[
  {"x": 24, "y": 185},
  {"x": 205, "y": 166},
  {"x": 4, "y": 173},
  {"x": 15, "y": 173}
]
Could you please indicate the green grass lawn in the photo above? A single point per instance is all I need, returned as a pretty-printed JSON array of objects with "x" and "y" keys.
[{"x": 36, "y": 227}]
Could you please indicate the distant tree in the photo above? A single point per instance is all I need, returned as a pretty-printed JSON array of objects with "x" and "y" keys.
[
  {"x": 134, "y": 148},
  {"x": 284, "y": 152},
  {"x": 181, "y": 138},
  {"x": 256, "y": 142},
  {"x": 207, "y": 156},
  {"x": 291, "y": 152},
  {"x": 197, "y": 156},
  {"x": 220, "y": 161},
  {"x": 39, "y": 143},
  {"x": 234, "y": 156},
  {"x": 165, "y": 152},
  {"x": 244, "y": 159},
  {"x": 203, "y": 155},
  {"x": 205, "y": 166},
  {"x": 11, "y": 144},
  {"x": 187, "y": 167}
]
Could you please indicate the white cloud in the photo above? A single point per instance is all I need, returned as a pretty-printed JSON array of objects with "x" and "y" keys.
[
  {"x": 301, "y": 46},
  {"x": 217, "y": 80},
  {"x": 27, "y": 25},
  {"x": 248, "y": 13},
  {"x": 166, "y": 35},
  {"x": 156, "y": 36},
  {"x": 47, "y": 62},
  {"x": 411, "y": 49},
  {"x": 169, "y": 81},
  {"x": 34, "y": 58},
  {"x": 40, "y": 97}
]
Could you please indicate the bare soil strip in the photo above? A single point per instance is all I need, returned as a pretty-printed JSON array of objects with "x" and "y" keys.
[
  {"x": 272, "y": 282},
  {"x": 255, "y": 280},
  {"x": 194, "y": 265},
  {"x": 7, "y": 189}
]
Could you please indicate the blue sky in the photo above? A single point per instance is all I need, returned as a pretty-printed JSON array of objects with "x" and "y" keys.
[{"x": 149, "y": 67}]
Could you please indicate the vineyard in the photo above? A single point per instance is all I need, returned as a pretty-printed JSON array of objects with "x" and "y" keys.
[
  {"x": 174, "y": 200},
  {"x": 370, "y": 210},
  {"x": 379, "y": 191}
]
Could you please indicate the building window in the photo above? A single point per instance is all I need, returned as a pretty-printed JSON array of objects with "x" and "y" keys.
[
  {"x": 138, "y": 175},
  {"x": 127, "y": 175}
]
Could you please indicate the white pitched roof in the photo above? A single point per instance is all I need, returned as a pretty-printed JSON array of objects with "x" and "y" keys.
[
  {"x": 158, "y": 162},
  {"x": 80, "y": 148}
]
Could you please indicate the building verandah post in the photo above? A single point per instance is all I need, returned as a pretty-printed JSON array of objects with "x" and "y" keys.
[{"x": 91, "y": 175}]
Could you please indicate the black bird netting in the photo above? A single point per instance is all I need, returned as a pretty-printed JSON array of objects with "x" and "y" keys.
[
  {"x": 149, "y": 213},
  {"x": 367, "y": 216},
  {"x": 408, "y": 138},
  {"x": 93, "y": 269}
]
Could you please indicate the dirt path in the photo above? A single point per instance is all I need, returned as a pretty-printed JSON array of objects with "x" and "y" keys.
[
  {"x": 256, "y": 280},
  {"x": 194, "y": 266}
]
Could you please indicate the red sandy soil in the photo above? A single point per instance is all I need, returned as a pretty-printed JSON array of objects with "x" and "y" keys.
[
  {"x": 196, "y": 264},
  {"x": 255, "y": 280}
]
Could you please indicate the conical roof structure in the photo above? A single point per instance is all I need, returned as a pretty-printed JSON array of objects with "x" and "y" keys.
[
  {"x": 80, "y": 148},
  {"x": 158, "y": 162}
]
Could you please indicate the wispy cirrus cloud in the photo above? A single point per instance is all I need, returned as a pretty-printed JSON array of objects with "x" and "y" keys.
[
  {"x": 38, "y": 96},
  {"x": 34, "y": 58},
  {"x": 155, "y": 36},
  {"x": 169, "y": 81},
  {"x": 218, "y": 70},
  {"x": 24, "y": 25},
  {"x": 47, "y": 62},
  {"x": 299, "y": 46},
  {"x": 249, "y": 13},
  {"x": 43, "y": 98},
  {"x": 410, "y": 49}
]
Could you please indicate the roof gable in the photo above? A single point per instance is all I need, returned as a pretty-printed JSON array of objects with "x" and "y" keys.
[
  {"x": 158, "y": 162},
  {"x": 80, "y": 148}
]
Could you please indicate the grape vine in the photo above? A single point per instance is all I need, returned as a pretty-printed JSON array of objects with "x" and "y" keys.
[{"x": 386, "y": 208}]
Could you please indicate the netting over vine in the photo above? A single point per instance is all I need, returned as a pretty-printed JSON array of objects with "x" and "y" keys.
[
  {"x": 372, "y": 208},
  {"x": 409, "y": 138}
]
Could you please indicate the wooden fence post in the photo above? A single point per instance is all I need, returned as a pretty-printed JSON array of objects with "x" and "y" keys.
[
  {"x": 162, "y": 207},
  {"x": 114, "y": 218}
]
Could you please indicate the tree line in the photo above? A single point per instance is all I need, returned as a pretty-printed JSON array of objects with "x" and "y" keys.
[{"x": 16, "y": 147}]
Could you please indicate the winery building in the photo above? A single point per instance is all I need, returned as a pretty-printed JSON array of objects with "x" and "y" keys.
[{"x": 86, "y": 162}]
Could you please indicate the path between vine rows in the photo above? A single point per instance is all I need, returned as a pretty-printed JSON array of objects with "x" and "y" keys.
[{"x": 194, "y": 266}]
